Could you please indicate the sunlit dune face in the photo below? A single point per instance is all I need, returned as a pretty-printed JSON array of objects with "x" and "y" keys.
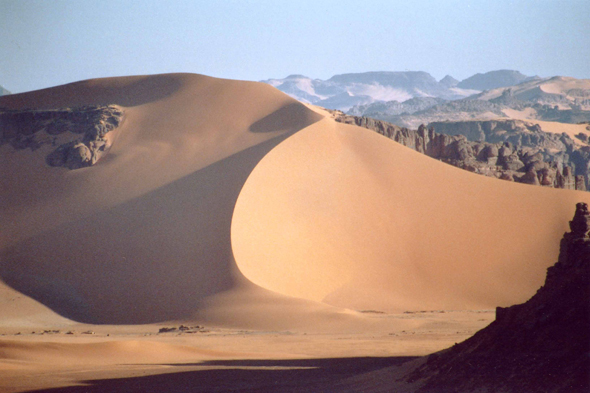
[{"x": 339, "y": 214}]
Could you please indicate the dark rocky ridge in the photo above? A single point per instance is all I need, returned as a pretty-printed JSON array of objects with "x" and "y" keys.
[
  {"x": 537, "y": 157},
  {"x": 557, "y": 148},
  {"x": 517, "y": 132},
  {"x": 33, "y": 129},
  {"x": 542, "y": 345}
]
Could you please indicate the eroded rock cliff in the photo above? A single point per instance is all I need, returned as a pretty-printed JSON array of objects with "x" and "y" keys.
[
  {"x": 78, "y": 134},
  {"x": 531, "y": 156}
]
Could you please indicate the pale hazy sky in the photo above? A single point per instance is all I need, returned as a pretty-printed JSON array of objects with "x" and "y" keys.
[{"x": 46, "y": 43}]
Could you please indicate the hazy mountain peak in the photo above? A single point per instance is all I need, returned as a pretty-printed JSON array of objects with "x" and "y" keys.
[
  {"x": 493, "y": 80},
  {"x": 3, "y": 91},
  {"x": 449, "y": 81}
]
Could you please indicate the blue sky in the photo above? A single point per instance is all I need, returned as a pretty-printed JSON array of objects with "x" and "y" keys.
[{"x": 47, "y": 43}]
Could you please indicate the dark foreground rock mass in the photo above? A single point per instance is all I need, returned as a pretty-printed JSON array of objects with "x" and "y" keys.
[
  {"x": 542, "y": 345},
  {"x": 33, "y": 129},
  {"x": 509, "y": 151}
]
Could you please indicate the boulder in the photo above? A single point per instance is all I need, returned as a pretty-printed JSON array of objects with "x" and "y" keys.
[{"x": 530, "y": 178}]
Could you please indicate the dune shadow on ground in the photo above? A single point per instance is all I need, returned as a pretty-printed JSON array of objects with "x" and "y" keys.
[
  {"x": 306, "y": 375},
  {"x": 151, "y": 259}
]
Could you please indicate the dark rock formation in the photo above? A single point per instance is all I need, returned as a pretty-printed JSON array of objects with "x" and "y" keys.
[
  {"x": 33, "y": 129},
  {"x": 526, "y": 155},
  {"x": 542, "y": 345},
  {"x": 517, "y": 132}
]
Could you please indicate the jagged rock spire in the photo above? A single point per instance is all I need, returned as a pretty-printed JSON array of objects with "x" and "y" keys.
[{"x": 580, "y": 225}]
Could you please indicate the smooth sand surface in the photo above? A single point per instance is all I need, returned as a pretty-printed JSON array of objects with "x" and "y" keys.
[
  {"x": 230, "y": 205},
  {"x": 369, "y": 223}
]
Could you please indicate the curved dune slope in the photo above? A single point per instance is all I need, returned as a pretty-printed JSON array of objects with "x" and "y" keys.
[
  {"x": 351, "y": 218},
  {"x": 144, "y": 235}
]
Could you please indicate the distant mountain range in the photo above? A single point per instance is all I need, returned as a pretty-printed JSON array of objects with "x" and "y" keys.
[
  {"x": 559, "y": 99},
  {"x": 3, "y": 91},
  {"x": 409, "y": 99},
  {"x": 345, "y": 91}
]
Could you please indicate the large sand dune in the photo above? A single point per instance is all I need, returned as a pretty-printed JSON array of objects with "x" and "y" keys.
[
  {"x": 213, "y": 184},
  {"x": 144, "y": 236}
]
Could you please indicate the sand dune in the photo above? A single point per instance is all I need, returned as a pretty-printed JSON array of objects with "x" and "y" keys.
[
  {"x": 359, "y": 221},
  {"x": 163, "y": 228},
  {"x": 144, "y": 235}
]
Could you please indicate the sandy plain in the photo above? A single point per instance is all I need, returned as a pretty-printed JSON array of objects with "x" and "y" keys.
[{"x": 304, "y": 249}]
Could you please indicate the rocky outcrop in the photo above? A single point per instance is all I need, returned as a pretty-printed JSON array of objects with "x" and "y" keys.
[
  {"x": 89, "y": 125},
  {"x": 517, "y": 132},
  {"x": 537, "y": 157},
  {"x": 542, "y": 345}
]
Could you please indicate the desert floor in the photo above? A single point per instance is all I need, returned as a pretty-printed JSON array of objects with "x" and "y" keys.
[{"x": 138, "y": 358}]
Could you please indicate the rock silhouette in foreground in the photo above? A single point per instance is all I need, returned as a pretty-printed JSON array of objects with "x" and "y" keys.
[
  {"x": 542, "y": 345},
  {"x": 32, "y": 129}
]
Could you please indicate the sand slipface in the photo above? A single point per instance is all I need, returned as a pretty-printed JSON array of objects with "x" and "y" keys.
[{"x": 215, "y": 193}]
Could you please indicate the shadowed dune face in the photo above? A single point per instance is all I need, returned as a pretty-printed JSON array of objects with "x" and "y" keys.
[
  {"x": 152, "y": 258},
  {"x": 358, "y": 221}
]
